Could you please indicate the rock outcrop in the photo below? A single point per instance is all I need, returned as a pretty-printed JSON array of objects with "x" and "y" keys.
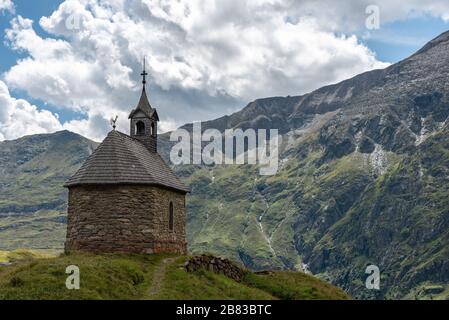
[{"x": 216, "y": 265}]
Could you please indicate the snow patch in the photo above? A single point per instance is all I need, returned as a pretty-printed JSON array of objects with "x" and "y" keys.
[
  {"x": 358, "y": 139},
  {"x": 378, "y": 159}
]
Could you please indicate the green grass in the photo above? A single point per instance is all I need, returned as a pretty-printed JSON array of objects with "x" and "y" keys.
[
  {"x": 101, "y": 277},
  {"x": 119, "y": 276},
  {"x": 25, "y": 254},
  {"x": 181, "y": 285},
  {"x": 294, "y": 286}
]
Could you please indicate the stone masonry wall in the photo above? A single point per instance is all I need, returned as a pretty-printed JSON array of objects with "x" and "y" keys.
[{"x": 125, "y": 218}]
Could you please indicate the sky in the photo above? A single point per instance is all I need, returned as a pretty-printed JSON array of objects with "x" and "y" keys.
[{"x": 74, "y": 64}]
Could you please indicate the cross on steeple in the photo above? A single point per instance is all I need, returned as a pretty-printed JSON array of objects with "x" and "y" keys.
[{"x": 144, "y": 73}]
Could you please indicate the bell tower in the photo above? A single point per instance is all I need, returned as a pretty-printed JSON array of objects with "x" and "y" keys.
[{"x": 144, "y": 118}]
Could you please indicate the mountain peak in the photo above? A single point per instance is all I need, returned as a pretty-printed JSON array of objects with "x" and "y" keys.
[{"x": 444, "y": 37}]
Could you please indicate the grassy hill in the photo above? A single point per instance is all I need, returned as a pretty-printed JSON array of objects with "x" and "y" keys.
[
  {"x": 117, "y": 276},
  {"x": 9, "y": 257}
]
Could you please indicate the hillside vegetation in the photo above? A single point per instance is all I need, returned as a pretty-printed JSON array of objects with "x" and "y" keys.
[
  {"x": 33, "y": 201},
  {"x": 117, "y": 276},
  {"x": 7, "y": 257}
]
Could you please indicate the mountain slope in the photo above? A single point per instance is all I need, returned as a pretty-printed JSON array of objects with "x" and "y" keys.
[
  {"x": 32, "y": 199},
  {"x": 363, "y": 180}
]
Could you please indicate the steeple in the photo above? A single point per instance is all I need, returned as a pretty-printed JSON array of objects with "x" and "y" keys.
[
  {"x": 144, "y": 118},
  {"x": 144, "y": 104}
]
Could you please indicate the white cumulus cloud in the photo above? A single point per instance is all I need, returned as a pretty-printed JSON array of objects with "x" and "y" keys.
[
  {"x": 19, "y": 118},
  {"x": 205, "y": 58},
  {"x": 6, "y": 5}
]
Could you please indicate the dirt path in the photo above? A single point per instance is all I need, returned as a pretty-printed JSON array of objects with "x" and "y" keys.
[{"x": 158, "y": 278}]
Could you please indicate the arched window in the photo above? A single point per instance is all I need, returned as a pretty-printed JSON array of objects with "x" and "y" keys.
[
  {"x": 170, "y": 216},
  {"x": 153, "y": 130},
  {"x": 140, "y": 127}
]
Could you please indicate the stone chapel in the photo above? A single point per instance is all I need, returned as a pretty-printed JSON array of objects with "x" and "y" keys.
[{"x": 125, "y": 198}]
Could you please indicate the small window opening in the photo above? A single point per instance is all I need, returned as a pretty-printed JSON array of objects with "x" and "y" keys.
[
  {"x": 170, "y": 217},
  {"x": 140, "y": 127},
  {"x": 153, "y": 130}
]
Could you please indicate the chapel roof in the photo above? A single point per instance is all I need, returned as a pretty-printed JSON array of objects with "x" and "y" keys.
[{"x": 121, "y": 159}]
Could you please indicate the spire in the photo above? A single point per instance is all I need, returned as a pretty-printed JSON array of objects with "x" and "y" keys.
[
  {"x": 144, "y": 74},
  {"x": 143, "y": 119},
  {"x": 144, "y": 104}
]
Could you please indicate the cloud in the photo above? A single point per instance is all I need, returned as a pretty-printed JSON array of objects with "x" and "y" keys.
[
  {"x": 19, "y": 118},
  {"x": 205, "y": 58},
  {"x": 6, "y": 5},
  {"x": 350, "y": 15}
]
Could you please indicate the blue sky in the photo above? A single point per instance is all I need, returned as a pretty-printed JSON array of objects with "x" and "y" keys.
[
  {"x": 33, "y": 10},
  {"x": 203, "y": 90},
  {"x": 29, "y": 9},
  {"x": 398, "y": 40}
]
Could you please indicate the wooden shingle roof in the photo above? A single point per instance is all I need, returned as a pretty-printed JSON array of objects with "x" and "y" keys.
[{"x": 121, "y": 159}]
